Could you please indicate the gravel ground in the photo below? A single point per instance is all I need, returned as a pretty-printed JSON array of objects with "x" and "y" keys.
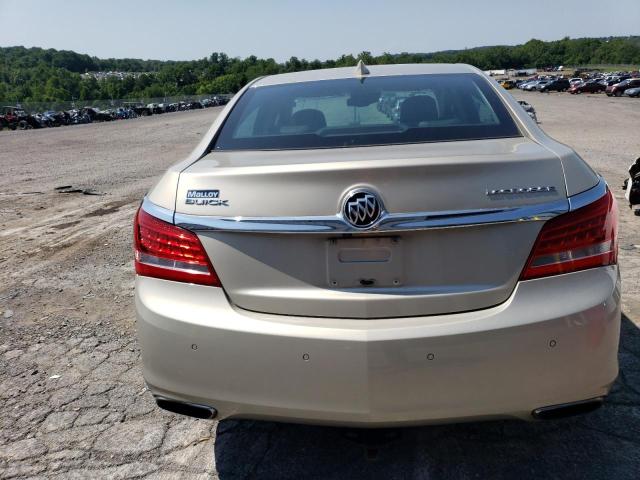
[{"x": 73, "y": 402}]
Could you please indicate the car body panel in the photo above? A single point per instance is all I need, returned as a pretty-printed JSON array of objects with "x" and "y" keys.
[
  {"x": 414, "y": 177},
  {"x": 430, "y": 272},
  {"x": 534, "y": 350},
  {"x": 453, "y": 269}
]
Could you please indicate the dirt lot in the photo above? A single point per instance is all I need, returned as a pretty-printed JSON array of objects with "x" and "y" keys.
[{"x": 73, "y": 402}]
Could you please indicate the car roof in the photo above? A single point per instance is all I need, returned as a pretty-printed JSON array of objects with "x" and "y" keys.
[{"x": 374, "y": 71}]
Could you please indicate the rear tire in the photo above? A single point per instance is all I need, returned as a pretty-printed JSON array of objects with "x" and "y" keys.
[{"x": 618, "y": 93}]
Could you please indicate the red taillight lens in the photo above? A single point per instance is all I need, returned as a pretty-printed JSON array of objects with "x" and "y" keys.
[
  {"x": 165, "y": 251},
  {"x": 581, "y": 239}
]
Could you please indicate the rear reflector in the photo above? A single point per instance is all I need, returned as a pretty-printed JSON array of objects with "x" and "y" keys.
[
  {"x": 577, "y": 240},
  {"x": 163, "y": 250}
]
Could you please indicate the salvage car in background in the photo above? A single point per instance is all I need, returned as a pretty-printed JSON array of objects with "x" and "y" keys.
[
  {"x": 16, "y": 118},
  {"x": 540, "y": 85},
  {"x": 139, "y": 108},
  {"x": 618, "y": 89},
  {"x": 97, "y": 115},
  {"x": 531, "y": 86},
  {"x": 508, "y": 84},
  {"x": 590, "y": 86},
  {"x": 557, "y": 85},
  {"x": 9, "y": 117},
  {"x": 632, "y": 92},
  {"x": 317, "y": 260}
]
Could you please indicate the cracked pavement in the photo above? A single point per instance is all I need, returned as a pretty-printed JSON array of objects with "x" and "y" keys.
[
  {"x": 95, "y": 419},
  {"x": 73, "y": 403}
]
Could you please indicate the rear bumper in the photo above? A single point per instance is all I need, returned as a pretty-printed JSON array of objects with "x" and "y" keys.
[{"x": 554, "y": 341}]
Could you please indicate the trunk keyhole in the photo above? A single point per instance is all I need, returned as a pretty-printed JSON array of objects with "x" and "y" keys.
[{"x": 367, "y": 282}]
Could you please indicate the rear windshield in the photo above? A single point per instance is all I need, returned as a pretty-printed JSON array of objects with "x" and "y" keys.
[{"x": 372, "y": 111}]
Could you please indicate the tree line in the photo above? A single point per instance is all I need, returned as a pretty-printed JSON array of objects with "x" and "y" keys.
[{"x": 39, "y": 75}]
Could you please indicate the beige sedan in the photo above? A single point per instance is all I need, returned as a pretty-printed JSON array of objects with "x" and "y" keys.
[{"x": 374, "y": 246}]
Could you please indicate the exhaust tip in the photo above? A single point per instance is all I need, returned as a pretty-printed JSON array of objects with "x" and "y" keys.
[
  {"x": 186, "y": 408},
  {"x": 564, "y": 410}
]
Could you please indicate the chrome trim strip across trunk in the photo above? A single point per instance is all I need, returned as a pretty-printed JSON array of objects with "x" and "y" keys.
[{"x": 388, "y": 222}]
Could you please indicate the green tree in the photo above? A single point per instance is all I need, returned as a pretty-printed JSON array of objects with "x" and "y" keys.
[{"x": 36, "y": 74}]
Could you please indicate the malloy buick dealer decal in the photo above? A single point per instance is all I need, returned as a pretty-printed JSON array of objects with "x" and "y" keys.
[{"x": 205, "y": 197}]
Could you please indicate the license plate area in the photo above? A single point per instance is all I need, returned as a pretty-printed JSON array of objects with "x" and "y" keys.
[{"x": 367, "y": 262}]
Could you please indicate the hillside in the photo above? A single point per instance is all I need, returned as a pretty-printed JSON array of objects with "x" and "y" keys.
[{"x": 39, "y": 75}]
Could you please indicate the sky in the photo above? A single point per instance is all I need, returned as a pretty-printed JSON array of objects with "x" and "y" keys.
[{"x": 280, "y": 29}]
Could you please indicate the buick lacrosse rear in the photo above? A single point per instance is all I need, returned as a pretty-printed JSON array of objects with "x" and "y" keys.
[{"x": 373, "y": 246}]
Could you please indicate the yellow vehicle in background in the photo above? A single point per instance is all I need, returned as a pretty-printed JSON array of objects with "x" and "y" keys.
[{"x": 508, "y": 84}]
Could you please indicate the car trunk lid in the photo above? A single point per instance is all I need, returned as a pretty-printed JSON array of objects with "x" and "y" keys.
[{"x": 370, "y": 273}]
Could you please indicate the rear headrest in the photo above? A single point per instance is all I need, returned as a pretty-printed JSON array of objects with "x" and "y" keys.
[
  {"x": 420, "y": 108},
  {"x": 309, "y": 118}
]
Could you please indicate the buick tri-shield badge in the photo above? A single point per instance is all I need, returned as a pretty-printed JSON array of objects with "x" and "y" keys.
[{"x": 361, "y": 208}]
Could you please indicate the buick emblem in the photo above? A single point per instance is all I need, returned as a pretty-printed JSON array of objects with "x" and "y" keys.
[{"x": 361, "y": 208}]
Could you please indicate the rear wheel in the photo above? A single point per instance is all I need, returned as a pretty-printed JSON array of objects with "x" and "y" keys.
[{"x": 618, "y": 93}]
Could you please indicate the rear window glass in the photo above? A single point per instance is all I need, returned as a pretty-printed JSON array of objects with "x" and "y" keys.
[{"x": 373, "y": 111}]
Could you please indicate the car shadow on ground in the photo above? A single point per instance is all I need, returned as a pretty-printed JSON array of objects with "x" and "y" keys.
[{"x": 602, "y": 444}]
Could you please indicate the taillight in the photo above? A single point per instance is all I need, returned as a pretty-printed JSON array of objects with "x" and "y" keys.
[
  {"x": 577, "y": 240},
  {"x": 163, "y": 250}
]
